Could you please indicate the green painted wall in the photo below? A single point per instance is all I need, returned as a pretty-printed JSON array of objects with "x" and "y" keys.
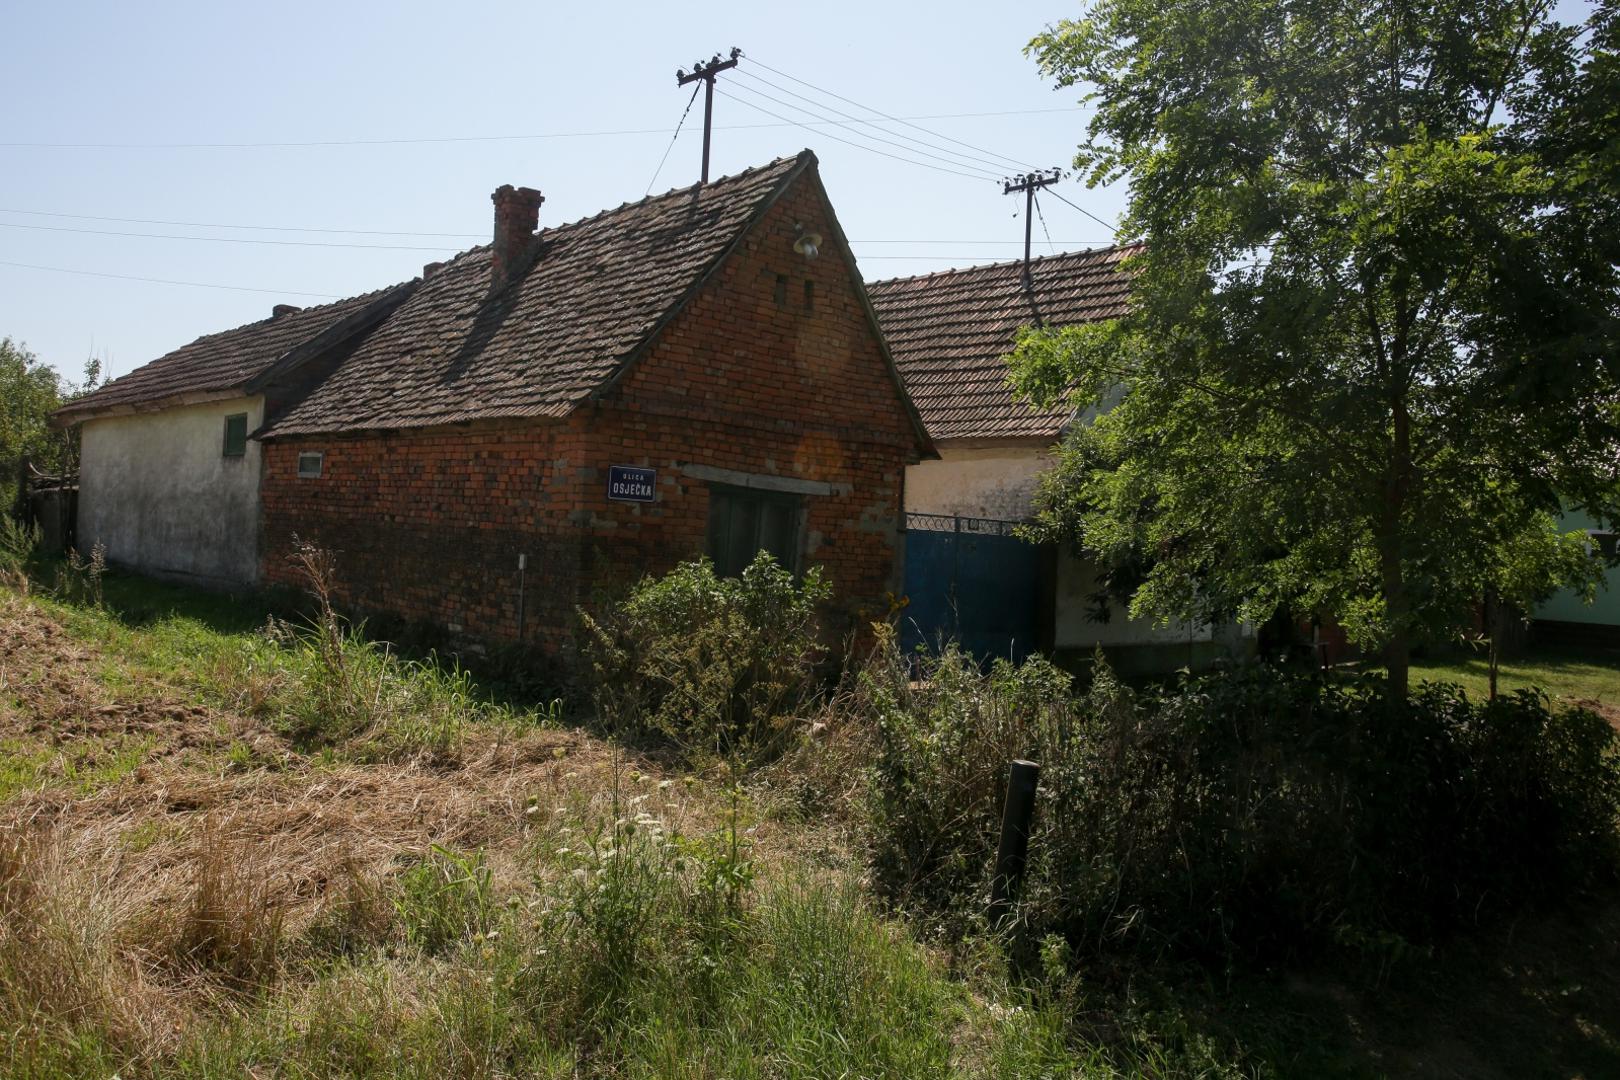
[{"x": 1567, "y": 606}]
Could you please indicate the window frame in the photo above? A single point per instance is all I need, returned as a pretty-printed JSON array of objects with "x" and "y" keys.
[
  {"x": 240, "y": 450},
  {"x": 762, "y": 497},
  {"x": 320, "y": 464}
]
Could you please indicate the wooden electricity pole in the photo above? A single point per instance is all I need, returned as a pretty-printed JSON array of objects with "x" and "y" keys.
[
  {"x": 1029, "y": 183},
  {"x": 707, "y": 72}
]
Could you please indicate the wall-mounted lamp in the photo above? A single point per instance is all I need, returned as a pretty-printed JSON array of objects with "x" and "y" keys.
[{"x": 807, "y": 244}]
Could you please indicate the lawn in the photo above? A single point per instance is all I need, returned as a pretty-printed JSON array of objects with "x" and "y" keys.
[{"x": 1588, "y": 676}]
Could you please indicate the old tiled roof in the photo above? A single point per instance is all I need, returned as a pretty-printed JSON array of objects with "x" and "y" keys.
[
  {"x": 950, "y": 331},
  {"x": 222, "y": 362},
  {"x": 597, "y": 290}
]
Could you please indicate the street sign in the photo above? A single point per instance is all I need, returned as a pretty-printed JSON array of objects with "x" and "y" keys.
[{"x": 627, "y": 483}]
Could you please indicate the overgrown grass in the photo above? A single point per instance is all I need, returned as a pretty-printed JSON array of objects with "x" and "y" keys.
[
  {"x": 413, "y": 879},
  {"x": 313, "y": 677}
]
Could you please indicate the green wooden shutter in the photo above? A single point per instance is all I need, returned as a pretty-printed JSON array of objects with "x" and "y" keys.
[{"x": 236, "y": 435}]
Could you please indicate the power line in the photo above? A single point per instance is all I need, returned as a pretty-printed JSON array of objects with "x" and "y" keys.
[
  {"x": 293, "y": 145},
  {"x": 896, "y": 119},
  {"x": 678, "y": 125},
  {"x": 1088, "y": 214},
  {"x": 256, "y": 228},
  {"x": 221, "y": 239},
  {"x": 468, "y": 236},
  {"x": 166, "y": 281},
  {"x": 1036, "y": 202},
  {"x": 965, "y": 159},
  {"x": 984, "y": 173},
  {"x": 858, "y": 146},
  {"x": 999, "y": 243}
]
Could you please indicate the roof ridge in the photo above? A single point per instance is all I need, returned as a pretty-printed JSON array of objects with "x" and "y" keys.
[
  {"x": 980, "y": 267},
  {"x": 726, "y": 181},
  {"x": 373, "y": 294},
  {"x": 548, "y": 231}
]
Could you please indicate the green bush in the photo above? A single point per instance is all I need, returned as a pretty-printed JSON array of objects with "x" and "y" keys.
[
  {"x": 1251, "y": 813},
  {"x": 716, "y": 664}
]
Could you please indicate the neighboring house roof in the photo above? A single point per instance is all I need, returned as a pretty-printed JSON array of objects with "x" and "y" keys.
[
  {"x": 236, "y": 361},
  {"x": 595, "y": 296},
  {"x": 950, "y": 333}
]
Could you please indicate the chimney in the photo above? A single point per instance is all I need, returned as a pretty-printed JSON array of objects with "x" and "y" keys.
[
  {"x": 283, "y": 309},
  {"x": 517, "y": 216},
  {"x": 429, "y": 269}
]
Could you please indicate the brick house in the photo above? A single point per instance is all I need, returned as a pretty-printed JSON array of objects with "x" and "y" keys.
[
  {"x": 711, "y": 350},
  {"x": 968, "y": 575}
]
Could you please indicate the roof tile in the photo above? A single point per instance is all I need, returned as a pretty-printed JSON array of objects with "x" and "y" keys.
[
  {"x": 455, "y": 351},
  {"x": 223, "y": 361},
  {"x": 949, "y": 333}
]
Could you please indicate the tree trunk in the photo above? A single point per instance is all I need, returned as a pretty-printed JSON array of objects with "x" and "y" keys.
[
  {"x": 1493, "y": 628},
  {"x": 1397, "y": 601},
  {"x": 1398, "y": 649}
]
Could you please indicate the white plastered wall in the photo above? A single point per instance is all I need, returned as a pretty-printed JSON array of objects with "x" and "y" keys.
[
  {"x": 989, "y": 482},
  {"x": 157, "y": 490}
]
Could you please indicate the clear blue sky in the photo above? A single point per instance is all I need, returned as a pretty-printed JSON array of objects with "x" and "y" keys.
[{"x": 101, "y": 73}]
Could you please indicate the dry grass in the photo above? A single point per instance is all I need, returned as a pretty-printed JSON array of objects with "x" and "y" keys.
[{"x": 202, "y": 876}]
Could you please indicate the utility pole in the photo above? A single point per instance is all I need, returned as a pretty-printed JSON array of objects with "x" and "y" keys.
[
  {"x": 1029, "y": 183},
  {"x": 707, "y": 72}
]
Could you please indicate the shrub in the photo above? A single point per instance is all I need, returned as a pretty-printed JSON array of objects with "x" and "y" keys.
[
  {"x": 1250, "y": 812},
  {"x": 19, "y": 546},
  {"x": 716, "y": 664}
]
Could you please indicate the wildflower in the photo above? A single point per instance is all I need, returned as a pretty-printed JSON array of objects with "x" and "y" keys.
[
  {"x": 580, "y": 873},
  {"x": 664, "y": 784}
]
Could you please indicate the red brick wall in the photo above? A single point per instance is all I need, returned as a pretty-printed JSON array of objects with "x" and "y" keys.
[{"x": 428, "y": 525}]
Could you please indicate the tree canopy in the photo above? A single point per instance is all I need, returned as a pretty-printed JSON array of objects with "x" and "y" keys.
[
  {"x": 30, "y": 391},
  {"x": 1372, "y": 346}
]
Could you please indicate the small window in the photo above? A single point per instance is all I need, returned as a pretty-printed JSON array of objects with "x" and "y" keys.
[
  {"x": 309, "y": 464},
  {"x": 236, "y": 435},
  {"x": 1607, "y": 544},
  {"x": 809, "y": 295},
  {"x": 744, "y": 522},
  {"x": 781, "y": 290}
]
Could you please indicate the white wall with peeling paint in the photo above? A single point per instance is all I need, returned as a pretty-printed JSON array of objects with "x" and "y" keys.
[
  {"x": 157, "y": 490},
  {"x": 992, "y": 482}
]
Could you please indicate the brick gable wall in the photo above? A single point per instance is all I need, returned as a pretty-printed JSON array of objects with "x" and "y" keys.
[{"x": 754, "y": 376}]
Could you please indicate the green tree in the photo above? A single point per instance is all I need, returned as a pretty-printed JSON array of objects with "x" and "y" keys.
[
  {"x": 1372, "y": 341},
  {"x": 29, "y": 392}
]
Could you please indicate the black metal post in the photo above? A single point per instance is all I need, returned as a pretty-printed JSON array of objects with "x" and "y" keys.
[
  {"x": 708, "y": 119},
  {"x": 1012, "y": 854},
  {"x": 1029, "y": 224},
  {"x": 523, "y": 566},
  {"x": 1029, "y": 183},
  {"x": 707, "y": 72}
]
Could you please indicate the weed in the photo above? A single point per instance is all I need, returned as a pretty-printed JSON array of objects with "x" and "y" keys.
[
  {"x": 232, "y": 924},
  {"x": 444, "y": 898}
]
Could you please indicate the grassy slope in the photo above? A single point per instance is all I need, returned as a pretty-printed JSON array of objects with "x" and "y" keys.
[
  {"x": 226, "y": 901},
  {"x": 199, "y": 894}
]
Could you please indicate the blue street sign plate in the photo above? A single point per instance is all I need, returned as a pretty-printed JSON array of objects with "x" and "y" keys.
[{"x": 626, "y": 483}]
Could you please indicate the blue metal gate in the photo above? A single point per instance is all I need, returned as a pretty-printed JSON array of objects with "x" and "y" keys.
[{"x": 972, "y": 581}]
